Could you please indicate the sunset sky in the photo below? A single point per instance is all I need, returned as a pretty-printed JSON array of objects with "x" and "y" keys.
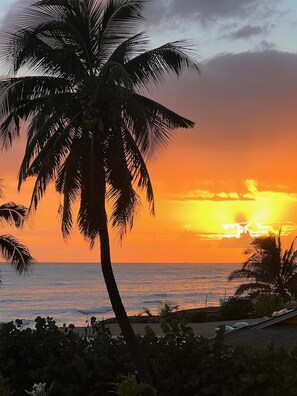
[{"x": 230, "y": 178}]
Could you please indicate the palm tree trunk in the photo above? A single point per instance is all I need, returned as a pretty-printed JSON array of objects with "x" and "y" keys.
[{"x": 118, "y": 307}]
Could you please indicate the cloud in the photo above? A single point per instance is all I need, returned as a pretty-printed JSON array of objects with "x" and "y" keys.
[
  {"x": 205, "y": 195},
  {"x": 244, "y": 108},
  {"x": 205, "y": 11},
  {"x": 248, "y": 191},
  {"x": 247, "y": 31},
  {"x": 265, "y": 45}
]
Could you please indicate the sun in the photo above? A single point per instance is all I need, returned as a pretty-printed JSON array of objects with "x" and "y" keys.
[{"x": 237, "y": 230}]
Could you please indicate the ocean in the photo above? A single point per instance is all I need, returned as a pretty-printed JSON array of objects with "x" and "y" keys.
[{"x": 73, "y": 292}]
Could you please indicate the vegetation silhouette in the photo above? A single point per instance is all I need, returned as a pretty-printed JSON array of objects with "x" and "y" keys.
[
  {"x": 268, "y": 269},
  {"x": 12, "y": 249},
  {"x": 90, "y": 128}
]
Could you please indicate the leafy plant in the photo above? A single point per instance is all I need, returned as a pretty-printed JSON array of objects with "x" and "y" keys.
[
  {"x": 180, "y": 363},
  {"x": 237, "y": 308},
  {"x": 266, "y": 304},
  {"x": 5, "y": 389},
  {"x": 166, "y": 310},
  {"x": 129, "y": 386}
]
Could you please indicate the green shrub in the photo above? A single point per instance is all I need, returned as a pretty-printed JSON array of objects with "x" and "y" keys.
[
  {"x": 129, "y": 386},
  {"x": 5, "y": 389},
  {"x": 180, "y": 363},
  {"x": 74, "y": 364},
  {"x": 266, "y": 304},
  {"x": 237, "y": 308}
]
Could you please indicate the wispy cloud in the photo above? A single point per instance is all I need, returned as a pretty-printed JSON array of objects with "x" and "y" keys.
[
  {"x": 205, "y": 195},
  {"x": 251, "y": 193},
  {"x": 206, "y": 11},
  {"x": 247, "y": 31}
]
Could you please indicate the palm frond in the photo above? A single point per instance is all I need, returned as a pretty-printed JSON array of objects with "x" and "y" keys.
[
  {"x": 118, "y": 19},
  {"x": 242, "y": 274},
  {"x": 21, "y": 98},
  {"x": 14, "y": 251},
  {"x": 14, "y": 214},
  {"x": 151, "y": 123},
  {"x": 91, "y": 215},
  {"x": 138, "y": 168},
  {"x": 151, "y": 67},
  {"x": 252, "y": 287},
  {"x": 123, "y": 198},
  {"x": 134, "y": 45},
  {"x": 68, "y": 184}
]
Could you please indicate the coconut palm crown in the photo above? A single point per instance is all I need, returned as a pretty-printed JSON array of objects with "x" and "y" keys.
[
  {"x": 268, "y": 269},
  {"x": 90, "y": 124}
]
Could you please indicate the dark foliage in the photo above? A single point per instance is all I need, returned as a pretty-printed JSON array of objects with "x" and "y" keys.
[
  {"x": 180, "y": 362},
  {"x": 11, "y": 249},
  {"x": 237, "y": 308},
  {"x": 268, "y": 269}
]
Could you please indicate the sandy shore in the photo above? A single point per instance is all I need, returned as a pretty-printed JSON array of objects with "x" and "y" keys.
[{"x": 204, "y": 329}]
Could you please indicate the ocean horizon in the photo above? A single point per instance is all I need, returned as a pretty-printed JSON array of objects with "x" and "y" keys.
[{"x": 72, "y": 292}]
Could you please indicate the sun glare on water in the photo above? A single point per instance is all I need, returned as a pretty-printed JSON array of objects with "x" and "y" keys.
[{"x": 236, "y": 230}]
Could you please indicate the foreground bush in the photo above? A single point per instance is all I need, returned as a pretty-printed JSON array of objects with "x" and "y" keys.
[
  {"x": 266, "y": 304},
  {"x": 75, "y": 365},
  {"x": 237, "y": 308},
  {"x": 251, "y": 307},
  {"x": 180, "y": 363}
]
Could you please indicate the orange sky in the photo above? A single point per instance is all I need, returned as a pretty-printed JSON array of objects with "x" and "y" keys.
[{"x": 237, "y": 165}]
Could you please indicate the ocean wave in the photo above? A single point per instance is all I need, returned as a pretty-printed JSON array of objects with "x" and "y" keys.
[
  {"x": 204, "y": 277},
  {"x": 9, "y": 301},
  {"x": 94, "y": 311},
  {"x": 152, "y": 301}
]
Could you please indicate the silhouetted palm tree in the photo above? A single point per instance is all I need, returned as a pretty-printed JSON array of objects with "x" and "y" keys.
[
  {"x": 268, "y": 269},
  {"x": 11, "y": 249},
  {"x": 90, "y": 127}
]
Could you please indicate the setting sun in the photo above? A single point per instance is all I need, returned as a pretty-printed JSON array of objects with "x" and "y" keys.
[{"x": 254, "y": 230}]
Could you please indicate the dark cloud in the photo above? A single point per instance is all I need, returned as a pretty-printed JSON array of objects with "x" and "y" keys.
[
  {"x": 252, "y": 92},
  {"x": 238, "y": 97},
  {"x": 247, "y": 31},
  {"x": 244, "y": 106}
]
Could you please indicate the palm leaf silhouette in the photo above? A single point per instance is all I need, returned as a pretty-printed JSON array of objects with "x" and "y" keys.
[{"x": 268, "y": 268}]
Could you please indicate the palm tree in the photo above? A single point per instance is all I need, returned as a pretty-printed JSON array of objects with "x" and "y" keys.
[
  {"x": 268, "y": 269},
  {"x": 12, "y": 249},
  {"x": 90, "y": 125}
]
